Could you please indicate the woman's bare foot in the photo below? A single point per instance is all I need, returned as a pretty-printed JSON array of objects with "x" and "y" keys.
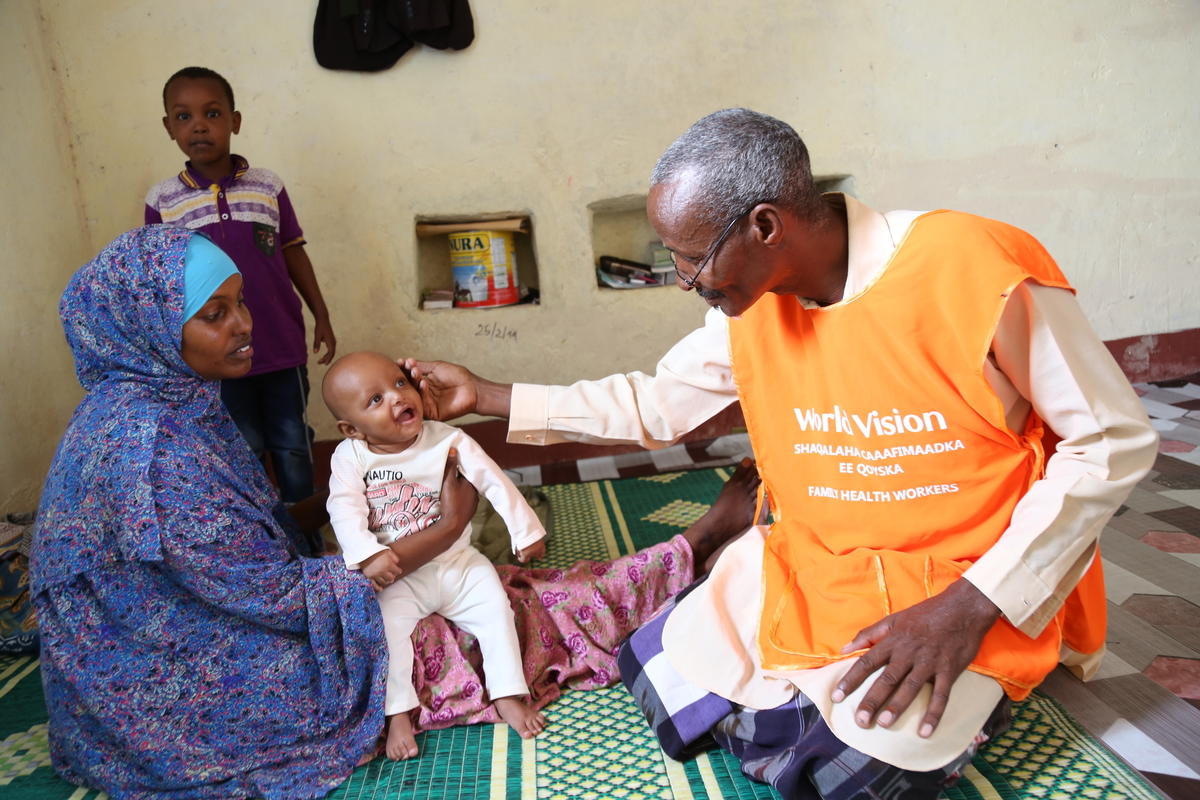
[
  {"x": 401, "y": 741},
  {"x": 730, "y": 515},
  {"x": 520, "y": 717}
]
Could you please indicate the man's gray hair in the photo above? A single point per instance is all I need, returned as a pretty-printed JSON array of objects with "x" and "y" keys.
[{"x": 740, "y": 157}]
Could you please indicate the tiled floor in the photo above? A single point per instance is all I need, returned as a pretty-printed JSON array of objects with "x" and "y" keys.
[{"x": 1145, "y": 703}]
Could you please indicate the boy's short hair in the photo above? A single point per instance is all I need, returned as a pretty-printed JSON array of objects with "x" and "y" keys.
[{"x": 199, "y": 73}]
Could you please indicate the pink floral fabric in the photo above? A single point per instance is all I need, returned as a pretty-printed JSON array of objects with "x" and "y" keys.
[{"x": 570, "y": 623}]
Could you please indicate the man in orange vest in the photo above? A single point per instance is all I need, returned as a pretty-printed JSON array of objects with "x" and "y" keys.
[{"x": 903, "y": 377}]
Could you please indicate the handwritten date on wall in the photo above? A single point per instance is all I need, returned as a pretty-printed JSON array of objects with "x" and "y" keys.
[{"x": 494, "y": 330}]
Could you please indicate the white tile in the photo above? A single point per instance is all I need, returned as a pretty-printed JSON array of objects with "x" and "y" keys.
[
  {"x": 1168, "y": 396},
  {"x": 1184, "y": 432},
  {"x": 637, "y": 458},
  {"x": 1146, "y": 502},
  {"x": 595, "y": 469},
  {"x": 671, "y": 458},
  {"x": 1113, "y": 666},
  {"x": 1120, "y": 584},
  {"x": 1142, "y": 752},
  {"x": 733, "y": 445},
  {"x": 1190, "y": 389},
  {"x": 1191, "y": 458},
  {"x": 1190, "y": 497},
  {"x": 1163, "y": 425},
  {"x": 525, "y": 476},
  {"x": 1162, "y": 410},
  {"x": 1191, "y": 558}
]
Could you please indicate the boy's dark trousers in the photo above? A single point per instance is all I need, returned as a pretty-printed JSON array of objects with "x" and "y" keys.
[{"x": 270, "y": 410}]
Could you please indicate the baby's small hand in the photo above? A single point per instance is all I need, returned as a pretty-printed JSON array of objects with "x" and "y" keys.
[
  {"x": 533, "y": 552},
  {"x": 383, "y": 569}
]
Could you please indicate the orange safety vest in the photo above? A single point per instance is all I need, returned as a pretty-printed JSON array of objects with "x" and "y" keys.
[{"x": 886, "y": 454}]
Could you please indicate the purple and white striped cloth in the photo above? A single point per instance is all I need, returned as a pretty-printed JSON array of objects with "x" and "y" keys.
[{"x": 789, "y": 747}]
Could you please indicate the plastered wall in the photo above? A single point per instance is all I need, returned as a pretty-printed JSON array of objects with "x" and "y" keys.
[
  {"x": 1075, "y": 120},
  {"x": 42, "y": 241}
]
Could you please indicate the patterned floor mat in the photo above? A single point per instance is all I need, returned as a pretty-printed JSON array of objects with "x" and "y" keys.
[{"x": 597, "y": 746}]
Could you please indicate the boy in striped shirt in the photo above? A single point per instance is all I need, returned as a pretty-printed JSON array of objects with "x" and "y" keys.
[{"x": 246, "y": 211}]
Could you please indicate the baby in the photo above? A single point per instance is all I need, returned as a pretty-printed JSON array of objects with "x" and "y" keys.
[{"x": 384, "y": 485}]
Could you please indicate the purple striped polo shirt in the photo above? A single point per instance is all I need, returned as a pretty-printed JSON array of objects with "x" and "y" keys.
[{"x": 249, "y": 216}]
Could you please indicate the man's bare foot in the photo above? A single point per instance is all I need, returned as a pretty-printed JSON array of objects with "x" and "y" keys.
[
  {"x": 523, "y": 719},
  {"x": 401, "y": 741},
  {"x": 728, "y": 517}
]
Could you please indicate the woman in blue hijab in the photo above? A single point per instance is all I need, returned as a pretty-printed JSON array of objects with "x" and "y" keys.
[{"x": 186, "y": 650}]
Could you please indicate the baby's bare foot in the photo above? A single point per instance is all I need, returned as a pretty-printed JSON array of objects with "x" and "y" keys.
[
  {"x": 520, "y": 717},
  {"x": 401, "y": 741}
]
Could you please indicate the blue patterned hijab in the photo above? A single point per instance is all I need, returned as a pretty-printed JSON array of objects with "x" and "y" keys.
[{"x": 151, "y": 440}]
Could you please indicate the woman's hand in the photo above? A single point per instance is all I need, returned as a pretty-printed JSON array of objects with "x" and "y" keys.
[
  {"x": 458, "y": 502},
  {"x": 310, "y": 514},
  {"x": 451, "y": 390},
  {"x": 459, "y": 498}
]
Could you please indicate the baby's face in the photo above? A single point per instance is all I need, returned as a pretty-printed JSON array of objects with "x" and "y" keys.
[{"x": 375, "y": 396}]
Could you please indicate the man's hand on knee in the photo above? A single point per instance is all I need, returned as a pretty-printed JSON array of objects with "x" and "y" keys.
[{"x": 931, "y": 642}]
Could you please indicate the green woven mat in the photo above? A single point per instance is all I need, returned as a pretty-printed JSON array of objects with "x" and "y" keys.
[{"x": 597, "y": 745}]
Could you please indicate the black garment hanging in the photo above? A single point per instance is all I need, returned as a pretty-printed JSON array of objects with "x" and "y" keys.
[{"x": 371, "y": 35}]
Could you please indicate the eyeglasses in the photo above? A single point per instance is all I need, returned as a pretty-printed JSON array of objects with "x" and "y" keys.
[{"x": 712, "y": 251}]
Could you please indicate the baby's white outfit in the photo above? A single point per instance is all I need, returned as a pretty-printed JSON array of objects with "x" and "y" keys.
[{"x": 376, "y": 498}]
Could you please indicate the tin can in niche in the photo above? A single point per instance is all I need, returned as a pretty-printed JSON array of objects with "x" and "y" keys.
[{"x": 484, "y": 264}]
